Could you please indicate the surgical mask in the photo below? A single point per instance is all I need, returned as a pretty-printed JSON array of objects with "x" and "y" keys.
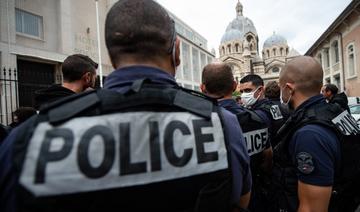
[
  {"x": 281, "y": 98},
  {"x": 248, "y": 99}
]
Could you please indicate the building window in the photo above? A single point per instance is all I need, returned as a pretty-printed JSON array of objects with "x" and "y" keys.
[
  {"x": 223, "y": 50},
  {"x": 337, "y": 81},
  {"x": 327, "y": 58},
  {"x": 237, "y": 47},
  {"x": 335, "y": 48},
  {"x": 327, "y": 80},
  {"x": 29, "y": 24},
  {"x": 274, "y": 52},
  {"x": 281, "y": 51},
  {"x": 319, "y": 57},
  {"x": 351, "y": 60},
  {"x": 229, "y": 48},
  {"x": 275, "y": 70},
  {"x": 196, "y": 65},
  {"x": 268, "y": 53},
  {"x": 186, "y": 62},
  {"x": 287, "y": 51}
]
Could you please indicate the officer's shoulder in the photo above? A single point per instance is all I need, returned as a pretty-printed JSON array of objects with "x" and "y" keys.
[{"x": 315, "y": 130}]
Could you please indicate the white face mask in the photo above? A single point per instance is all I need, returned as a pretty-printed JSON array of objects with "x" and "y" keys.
[
  {"x": 248, "y": 99},
  {"x": 281, "y": 99}
]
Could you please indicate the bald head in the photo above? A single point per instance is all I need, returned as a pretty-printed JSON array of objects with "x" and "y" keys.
[
  {"x": 218, "y": 79},
  {"x": 305, "y": 73}
]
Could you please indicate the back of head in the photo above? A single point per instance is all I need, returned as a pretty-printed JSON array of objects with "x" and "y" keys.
[
  {"x": 23, "y": 113},
  {"x": 272, "y": 90},
  {"x": 332, "y": 88},
  {"x": 218, "y": 79},
  {"x": 256, "y": 80},
  {"x": 305, "y": 73},
  {"x": 141, "y": 29},
  {"x": 75, "y": 66}
]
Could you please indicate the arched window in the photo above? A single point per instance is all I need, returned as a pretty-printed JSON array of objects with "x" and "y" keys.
[
  {"x": 275, "y": 70},
  {"x": 281, "y": 51},
  {"x": 335, "y": 51},
  {"x": 229, "y": 48},
  {"x": 351, "y": 60},
  {"x": 251, "y": 47},
  {"x": 274, "y": 52},
  {"x": 223, "y": 50},
  {"x": 287, "y": 51},
  {"x": 237, "y": 47},
  {"x": 268, "y": 53}
]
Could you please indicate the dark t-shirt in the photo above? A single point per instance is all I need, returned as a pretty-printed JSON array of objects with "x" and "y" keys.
[{"x": 315, "y": 151}]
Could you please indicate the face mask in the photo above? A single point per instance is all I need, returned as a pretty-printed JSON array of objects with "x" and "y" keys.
[
  {"x": 281, "y": 99},
  {"x": 248, "y": 99}
]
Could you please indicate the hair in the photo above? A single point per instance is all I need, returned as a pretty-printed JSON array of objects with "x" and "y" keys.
[
  {"x": 23, "y": 113},
  {"x": 256, "y": 80},
  {"x": 332, "y": 88},
  {"x": 272, "y": 90},
  {"x": 140, "y": 28},
  {"x": 218, "y": 79},
  {"x": 75, "y": 66}
]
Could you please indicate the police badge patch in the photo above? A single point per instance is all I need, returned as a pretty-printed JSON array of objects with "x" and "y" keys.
[
  {"x": 276, "y": 112},
  {"x": 305, "y": 163}
]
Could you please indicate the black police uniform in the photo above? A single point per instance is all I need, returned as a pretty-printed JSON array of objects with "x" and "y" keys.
[
  {"x": 309, "y": 151},
  {"x": 150, "y": 145}
]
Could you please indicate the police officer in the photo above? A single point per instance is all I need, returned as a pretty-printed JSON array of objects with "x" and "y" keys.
[
  {"x": 218, "y": 82},
  {"x": 272, "y": 92},
  {"x": 308, "y": 154},
  {"x": 252, "y": 89},
  {"x": 142, "y": 143},
  {"x": 330, "y": 92}
]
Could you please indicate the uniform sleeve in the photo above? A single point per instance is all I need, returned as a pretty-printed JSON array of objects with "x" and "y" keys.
[
  {"x": 314, "y": 152},
  {"x": 239, "y": 157},
  {"x": 7, "y": 177}
]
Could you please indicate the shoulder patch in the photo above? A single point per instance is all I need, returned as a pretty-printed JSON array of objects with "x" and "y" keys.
[
  {"x": 305, "y": 163},
  {"x": 276, "y": 112}
]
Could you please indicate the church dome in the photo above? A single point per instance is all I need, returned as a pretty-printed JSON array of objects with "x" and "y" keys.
[
  {"x": 239, "y": 27},
  {"x": 275, "y": 40}
]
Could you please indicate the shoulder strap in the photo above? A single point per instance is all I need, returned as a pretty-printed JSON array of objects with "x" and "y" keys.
[{"x": 140, "y": 94}]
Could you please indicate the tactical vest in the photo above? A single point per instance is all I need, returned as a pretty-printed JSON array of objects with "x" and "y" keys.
[
  {"x": 277, "y": 119},
  {"x": 256, "y": 137},
  {"x": 346, "y": 184},
  {"x": 154, "y": 148}
]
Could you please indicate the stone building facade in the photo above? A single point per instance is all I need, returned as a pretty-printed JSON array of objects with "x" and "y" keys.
[
  {"x": 240, "y": 48},
  {"x": 338, "y": 50}
]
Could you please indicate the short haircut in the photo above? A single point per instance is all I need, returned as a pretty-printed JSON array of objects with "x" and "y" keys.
[
  {"x": 140, "y": 28},
  {"x": 75, "y": 66},
  {"x": 272, "y": 90},
  {"x": 218, "y": 79},
  {"x": 332, "y": 88},
  {"x": 256, "y": 80}
]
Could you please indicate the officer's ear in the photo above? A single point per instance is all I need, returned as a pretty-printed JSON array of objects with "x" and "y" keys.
[
  {"x": 177, "y": 52},
  {"x": 291, "y": 87},
  {"x": 203, "y": 88},
  {"x": 235, "y": 84}
]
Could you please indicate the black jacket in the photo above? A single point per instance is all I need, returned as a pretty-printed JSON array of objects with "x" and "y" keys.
[
  {"x": 51, "y": 94},
  {"x": 341, "y": 100}
]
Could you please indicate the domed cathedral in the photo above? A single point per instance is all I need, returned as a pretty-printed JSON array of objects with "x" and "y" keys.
[{"x": 240, "y": 48}]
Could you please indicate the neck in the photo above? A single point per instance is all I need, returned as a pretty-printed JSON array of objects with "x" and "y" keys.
[
  {"x": 299, "y": 99},
  {"x": 229, "y": 96},
  {"x": 74, "y": 86},
  {"x": 155, "y": 63}
]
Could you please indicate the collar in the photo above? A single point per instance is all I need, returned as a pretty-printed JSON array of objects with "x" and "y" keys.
[
  {"x": 311, "y": 101},
  {"x": 230, "y": 105},
  {"x": 259, "y": 102},
  {"x": 124, "y": 77}
]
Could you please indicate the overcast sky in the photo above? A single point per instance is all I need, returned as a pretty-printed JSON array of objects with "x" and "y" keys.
[{"x": 301, "y": 22}]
